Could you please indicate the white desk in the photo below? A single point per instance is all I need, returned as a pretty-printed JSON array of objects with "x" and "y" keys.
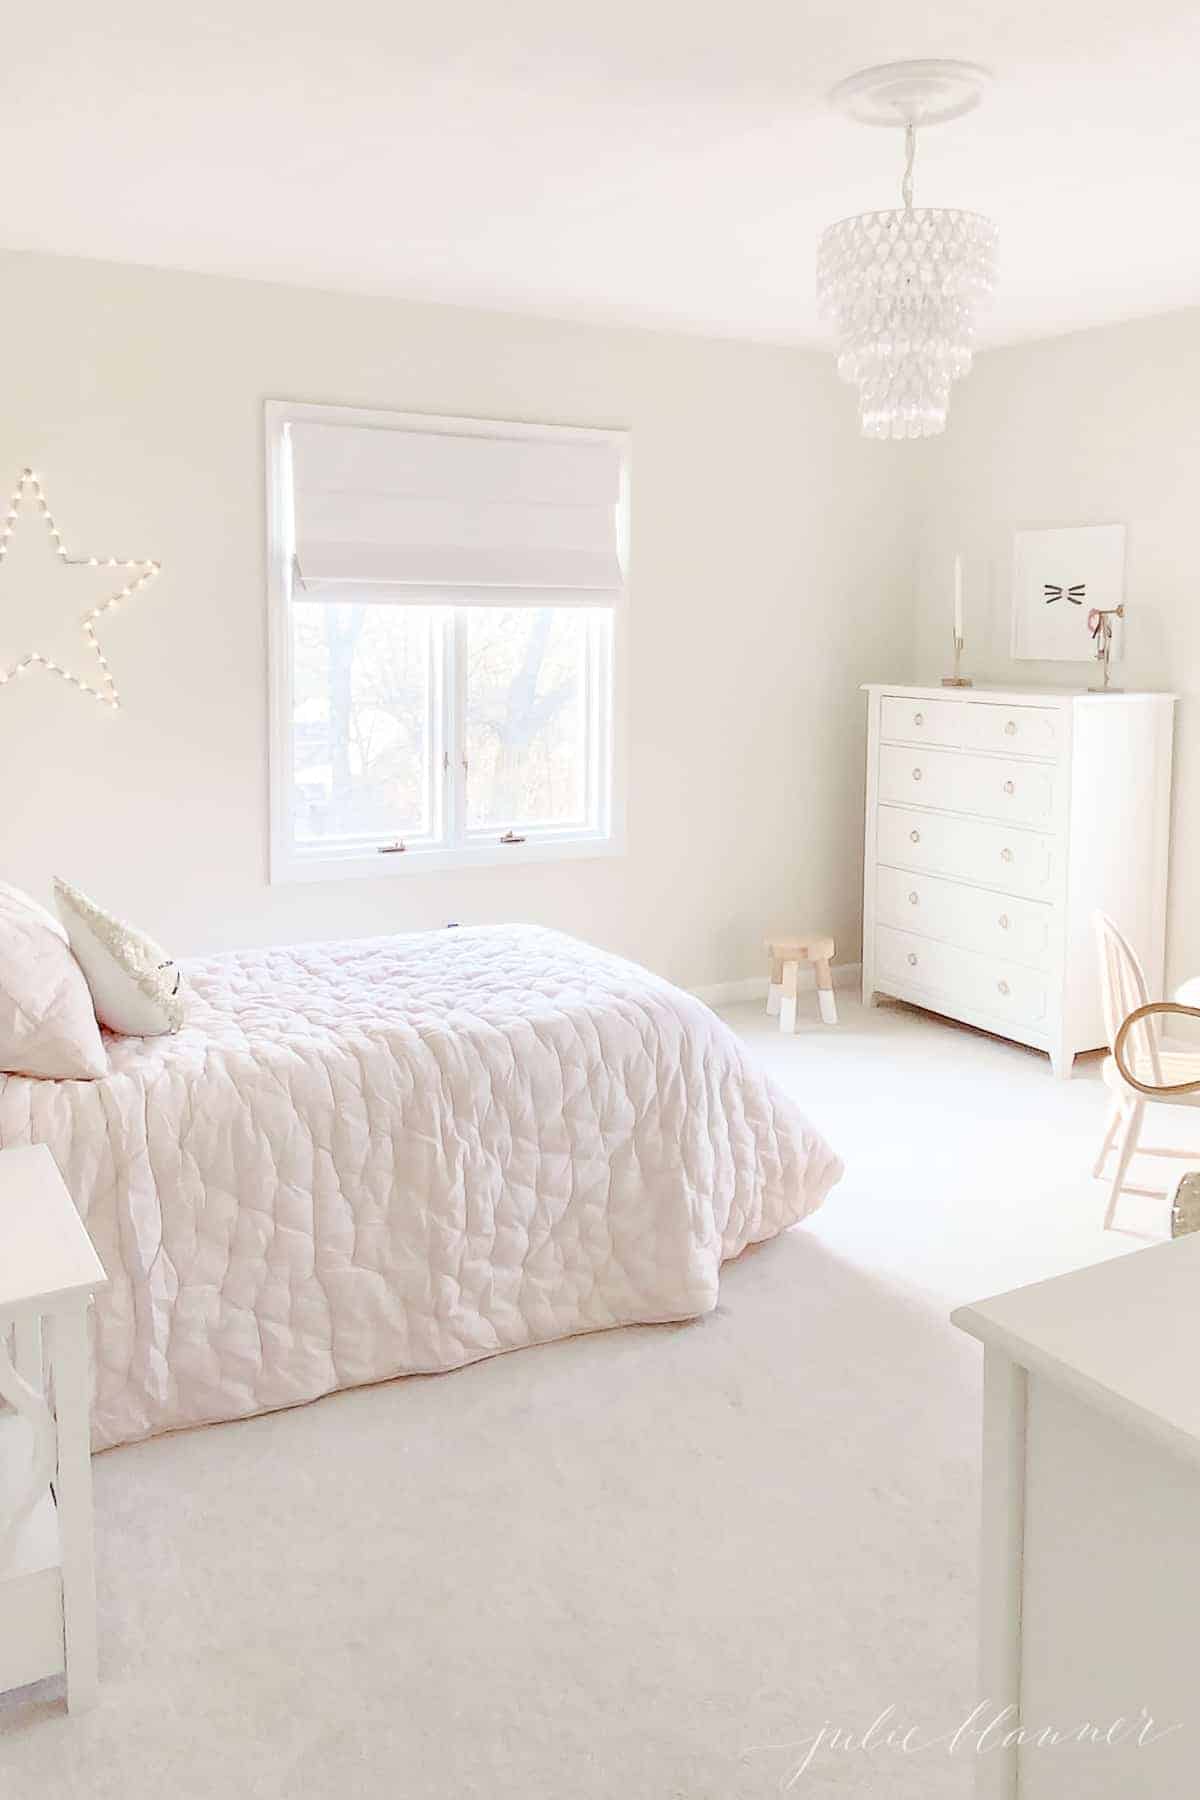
[
  {"x": 48, "y": 1272},
  {"x": 1090, "y": 1578}
]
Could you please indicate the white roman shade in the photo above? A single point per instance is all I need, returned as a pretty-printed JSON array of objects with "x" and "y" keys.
[{"x": 487, "y": 518}]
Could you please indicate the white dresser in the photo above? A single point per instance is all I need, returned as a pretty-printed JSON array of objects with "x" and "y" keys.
[
  {"x": 998, "y": 821},
  {"x": 1090, "y": 1575}
]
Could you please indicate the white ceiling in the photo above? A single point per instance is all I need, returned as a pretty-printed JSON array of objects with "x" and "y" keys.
[{"x": 652, "y": 161}]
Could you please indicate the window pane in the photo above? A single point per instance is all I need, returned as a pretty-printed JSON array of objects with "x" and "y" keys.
[
  {"x": 362, "y": 720},
  {"x": 527, "y": 716}
]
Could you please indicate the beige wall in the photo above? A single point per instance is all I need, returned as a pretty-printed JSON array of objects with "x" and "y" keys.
[
  {"x": 773, "y": 561},
  {"x": 772, "y": 573},
  {"x": 1096, "y": 428}
]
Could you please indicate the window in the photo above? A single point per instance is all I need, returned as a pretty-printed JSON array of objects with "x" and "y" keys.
[{"x": 447, "y": 615}]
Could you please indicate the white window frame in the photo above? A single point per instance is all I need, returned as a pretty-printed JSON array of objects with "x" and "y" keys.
[{"x": 607, "y": 697}]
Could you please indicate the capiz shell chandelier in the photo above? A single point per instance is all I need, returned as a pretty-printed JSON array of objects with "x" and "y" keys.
[{"x": 903, "y": 288}]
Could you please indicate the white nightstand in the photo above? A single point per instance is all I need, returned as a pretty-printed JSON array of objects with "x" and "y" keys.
[
  {"x": 1090, "y": 1577},
  {"x": 48, "y": 1273}
]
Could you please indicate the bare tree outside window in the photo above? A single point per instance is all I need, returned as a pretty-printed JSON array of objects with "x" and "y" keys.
[
  {"x": 361, "y": 721},
  {"x": 390, "y": 745},
  {"x": 526, "y": 716}
]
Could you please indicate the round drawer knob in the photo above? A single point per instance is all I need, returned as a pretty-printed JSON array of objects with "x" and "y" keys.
[
  {"x": 918, "y": 718},
  {"x": 1006, "y": 856},
  {"x": 1003, "y": 986},
  {"x": 914, "y": 837},
  {"x": 1010, "y": 787},
  {"x": 1004, "y": 921},
  {"x": 912, "y": 898},
  {"x": 912, "y": 958},
  {"x": 1010, "y": 730},
  {"x": 916, "y": 774}
]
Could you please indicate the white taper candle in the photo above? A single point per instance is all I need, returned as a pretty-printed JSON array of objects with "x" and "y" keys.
[{"x": 958, "y": 618}]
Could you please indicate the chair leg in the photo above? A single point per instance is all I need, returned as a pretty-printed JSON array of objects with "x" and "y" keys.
[
  {"x": 825, "y": 999},
  {"x": 1129, "y": 1139},
  {"x": 1110, "y": 1132},
  {"x": 787, "y": 1009},
  {"x": 774, "y": 987}
]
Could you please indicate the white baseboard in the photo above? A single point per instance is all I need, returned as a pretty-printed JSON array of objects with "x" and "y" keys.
[{"x": 754, "y": 987}]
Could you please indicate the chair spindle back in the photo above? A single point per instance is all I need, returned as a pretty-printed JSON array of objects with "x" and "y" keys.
[{"x": 1123, "y": 989}]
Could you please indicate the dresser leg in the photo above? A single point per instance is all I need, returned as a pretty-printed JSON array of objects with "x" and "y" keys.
[
  {"x": 73, "y": 1494},
  {"x": 1062, "y": 1062}
]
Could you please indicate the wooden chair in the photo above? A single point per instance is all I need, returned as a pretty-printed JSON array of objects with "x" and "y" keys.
[
  {"x": 1140, "y": 1067},
  {"x": 786, "y": 954}
]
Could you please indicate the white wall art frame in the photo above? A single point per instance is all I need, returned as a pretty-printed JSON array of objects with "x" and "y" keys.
[{"x": 1058, "y": 577}]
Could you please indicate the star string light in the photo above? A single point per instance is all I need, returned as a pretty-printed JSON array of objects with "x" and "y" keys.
[{"x": 142, "y": 574}]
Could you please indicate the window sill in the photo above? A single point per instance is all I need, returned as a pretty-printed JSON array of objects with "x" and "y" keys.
[{"x": 287, "y": 866}]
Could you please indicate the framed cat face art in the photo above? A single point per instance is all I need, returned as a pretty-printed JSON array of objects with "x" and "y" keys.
[{"x": 1059, "y": 578}]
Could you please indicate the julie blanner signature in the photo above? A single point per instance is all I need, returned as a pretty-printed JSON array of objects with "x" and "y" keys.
[{"x": 984, "y": 1731}]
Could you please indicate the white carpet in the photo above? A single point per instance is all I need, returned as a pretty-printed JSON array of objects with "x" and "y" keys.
[{"x": 648, "y": 1564}]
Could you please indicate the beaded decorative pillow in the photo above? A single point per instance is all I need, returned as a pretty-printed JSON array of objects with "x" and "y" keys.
[{"x": 136, "y": 987}]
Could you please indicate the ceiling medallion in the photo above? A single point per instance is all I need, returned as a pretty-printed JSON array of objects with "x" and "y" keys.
[{"x": 903, "y": 288}]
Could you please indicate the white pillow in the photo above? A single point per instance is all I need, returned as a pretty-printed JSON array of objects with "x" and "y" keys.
[
  {"x": 135, "y": 985},
  {"x": 47, "y": 1022}
]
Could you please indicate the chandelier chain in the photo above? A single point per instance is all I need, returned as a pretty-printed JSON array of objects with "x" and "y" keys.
[{"x": 910, "y": 157}]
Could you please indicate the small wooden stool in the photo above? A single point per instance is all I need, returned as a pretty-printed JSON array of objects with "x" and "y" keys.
[{"x": 786, "y": 954}]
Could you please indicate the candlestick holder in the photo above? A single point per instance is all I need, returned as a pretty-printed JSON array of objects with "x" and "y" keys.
[{"x": 957, "y": 680}]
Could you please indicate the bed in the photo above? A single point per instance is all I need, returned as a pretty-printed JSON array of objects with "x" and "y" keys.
[{"x": 403, "y": 1154}]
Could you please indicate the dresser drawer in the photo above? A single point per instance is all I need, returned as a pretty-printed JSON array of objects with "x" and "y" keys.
[
  {"x": 990, "y": 787},
  {"x": 960, "y": 981},
  {"x": 996, "y": 787},
  {"x": 921, "y": 721},
  {"x": 997, "y": 924},
  {"x": 1019, "y": 730},
  {"x": 1012, "y": 862}
]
